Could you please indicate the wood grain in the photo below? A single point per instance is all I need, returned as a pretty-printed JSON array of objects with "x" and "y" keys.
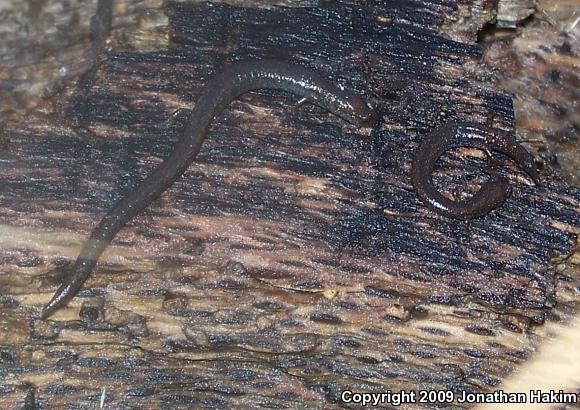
[{"x": 293, "y": 260}]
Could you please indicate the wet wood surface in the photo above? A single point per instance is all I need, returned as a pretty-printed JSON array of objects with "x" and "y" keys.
[{"x": 293, "y": 260}]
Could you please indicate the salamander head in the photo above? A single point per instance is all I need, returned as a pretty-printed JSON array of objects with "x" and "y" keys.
[{"x": 355, "y": 110}]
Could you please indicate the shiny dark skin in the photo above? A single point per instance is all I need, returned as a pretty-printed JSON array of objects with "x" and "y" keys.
[
  {"x": 225, "y": 87},
  {"x": 493, "y": 193}
]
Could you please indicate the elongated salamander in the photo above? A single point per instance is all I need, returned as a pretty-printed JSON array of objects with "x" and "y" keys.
[
  {"x": 225, "y": 87},
  {"x": 493, "y": 193}
]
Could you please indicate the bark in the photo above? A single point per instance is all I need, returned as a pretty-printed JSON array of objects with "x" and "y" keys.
[{"x": 293, "y": 260}]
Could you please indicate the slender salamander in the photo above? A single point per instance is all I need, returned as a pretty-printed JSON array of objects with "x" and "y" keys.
[
  {"x": 225, "y": 87},
  {"x": 493, "y": 193}
]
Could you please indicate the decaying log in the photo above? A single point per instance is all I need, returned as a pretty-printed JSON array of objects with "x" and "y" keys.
[
  {"x": 545, "y": 55},
  {"x": 293, "y": 260}
]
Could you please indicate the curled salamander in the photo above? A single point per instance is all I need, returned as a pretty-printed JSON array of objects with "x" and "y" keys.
[
  {"x": 493, "y": 192},
  {"x": 225, "y": 87}
]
